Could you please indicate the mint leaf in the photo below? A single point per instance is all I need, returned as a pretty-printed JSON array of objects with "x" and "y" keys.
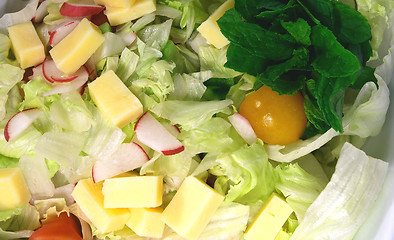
[
  {"x": 271, "y": 4},
  {"x": 350, "y": 25},
  {"x": 256, "y": 40},
  {"x": 276, "y": 78},
  {"x": 299, "y": 30},
  {"x": 332, "y": 59},
  {"x": 330, "y": 94},
  {"x": 346, "y": 23},
  {"x": 247, "y": 8},
  {"x": 236, "y": 59}
]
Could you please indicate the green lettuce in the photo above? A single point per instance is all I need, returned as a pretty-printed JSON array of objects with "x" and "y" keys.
[
  {"x": 344, "y": 204},
  {"x": 299, "y": 187},
  {"x": 246, "y": 175},
  {"x": 190, "y": 113},
  {"x": 9, "y": 77}
]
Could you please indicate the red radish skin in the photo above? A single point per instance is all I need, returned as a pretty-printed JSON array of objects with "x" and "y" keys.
[
  {"x": 53, "y": 74},
  {"x": 243, "y": 127},
  {"x": 153, "y": 134},
  {"x": 82, "y": 78},
  {"x": 19, "y": 122},
  {"x": 127, "y": 157},
  {"x": 79, "y": 10},
  {"x": 61, "y": 32}
]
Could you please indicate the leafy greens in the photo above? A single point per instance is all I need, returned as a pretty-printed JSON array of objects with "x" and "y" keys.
[{"x": 296, "y": 44}]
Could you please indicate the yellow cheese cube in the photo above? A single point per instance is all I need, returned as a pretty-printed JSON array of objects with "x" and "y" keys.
[
  {"x": 116, "y": 3},
  {"x": 89, "y": 197},
  {"x": 77, "y": 47},
  {"x": 13, "y": 188},
  {"x": 27, "y": 46},
  {"x": 192, "y": 207},
  {"x": 210, "y": 30},
  {"x": 133, "y": 192},
  {"x": 270, "y": 220},
  {"x": 140, "y": 8},
  {"x": 114, "y": 99},
  {"x": 146, "y": 222}
]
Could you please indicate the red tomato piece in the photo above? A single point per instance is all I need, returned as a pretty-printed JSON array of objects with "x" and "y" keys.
[{"x": 63, "y": 227}]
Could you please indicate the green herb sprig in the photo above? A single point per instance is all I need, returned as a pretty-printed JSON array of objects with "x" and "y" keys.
[{"x": 319, "y": 47}]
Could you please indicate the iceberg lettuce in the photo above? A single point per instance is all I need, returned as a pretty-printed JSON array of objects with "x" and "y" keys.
[
  {"x": 9, "y": 77},
  {"x": 344, "y": 204}
]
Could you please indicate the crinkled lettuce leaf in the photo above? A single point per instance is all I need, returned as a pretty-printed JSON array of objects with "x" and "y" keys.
[
  {"x": 245, "y": 175},
  {"x": 9, "y": 77},
  {"x": 344, "y": 204},
  {"x": 299, "y": 187},
  {"x": 189, "y": 114},
  {"x": 24, "y": 15}
]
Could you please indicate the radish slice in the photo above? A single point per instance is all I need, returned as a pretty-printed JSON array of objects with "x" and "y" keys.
[
  {"x": 61, "y": 32},
  {"x": 20, "y": 122},
  {"x": 243, "y": 127},
  {"x": 153, "y": 134},
  {"x": 41, "y": 12},
  {"x": 82, "y": 78},
  {"x": 79, "y": 10},
  {"x": 173, "y": 129},
  {"x": 127, "y": 157},
  {"x": 53, "y": 74}
]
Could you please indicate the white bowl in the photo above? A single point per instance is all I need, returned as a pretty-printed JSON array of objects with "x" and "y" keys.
[{"x": 380, "y": 223}]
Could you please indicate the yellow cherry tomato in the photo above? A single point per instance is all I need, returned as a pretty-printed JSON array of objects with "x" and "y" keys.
[{"x": 276, "y": 119}]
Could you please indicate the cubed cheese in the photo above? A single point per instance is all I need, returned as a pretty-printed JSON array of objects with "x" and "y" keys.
[
  {"x": 116, "y": 3},
  {"x": 146, "y": 222},
  {"x": 89, "y": 197},
  {"x": 77, "y": 47},
  {"x": 114, "y": 99},
  {"x": 210, "y": 30},
  {"x": 192, "y": 207},
  {"x": 27, "y": 46},
  {"x": 270, "y": 220},
  {"x": 13, "y": 188},
  {"x": 140, "y": 8},
  {"x": 133, "y": 192}
]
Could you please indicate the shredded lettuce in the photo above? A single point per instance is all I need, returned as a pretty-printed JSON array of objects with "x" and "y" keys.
[
  {"x": 24, "y": 15},
  {"x": 190, "y": 113},
  {"x": 246, "y": 175},
  {"x": 37, "y": 176},
  {"x": 299, "y": 187},
  {"x": 9, "y": 77}
]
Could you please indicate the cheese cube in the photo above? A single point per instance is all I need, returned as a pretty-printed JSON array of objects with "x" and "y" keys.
[
  {"x": 140, "y": 8},
  {"x": 146, "y": 222},
  {"x": 210, "y": 30},
  {"x": 27, "y": 46},
  {"x": 270, "y": 220},
  {"x": 14, "y": 187},
  {"x": 114, "y": 99},
  {"x": 192, "y": 207},
  {"x": 77, "y": 47},
  {"x": 116, "y": 3},
  {"x": 133, "y": 192},
  {"x": 89, "y": 197}
]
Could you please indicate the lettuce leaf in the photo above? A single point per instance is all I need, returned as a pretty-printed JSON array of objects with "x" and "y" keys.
[
  {"x": 299, "y": 187},
  {"x": 9, "y": 77},
  {"x": 246, "y": 175},
  {"x": 24, "y": 15},
  {"x": 189, "y": 114},
  {"x": 347, "y": 199}
]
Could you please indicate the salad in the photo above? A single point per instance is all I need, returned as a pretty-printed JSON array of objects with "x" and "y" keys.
[{"x": 192, "y": 119}]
